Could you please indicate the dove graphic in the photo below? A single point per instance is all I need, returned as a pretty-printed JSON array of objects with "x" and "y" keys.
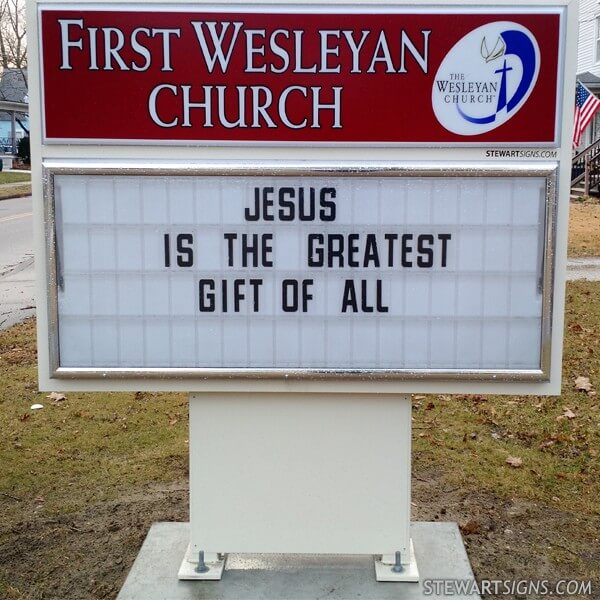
[{"x": 497, "y": 51}]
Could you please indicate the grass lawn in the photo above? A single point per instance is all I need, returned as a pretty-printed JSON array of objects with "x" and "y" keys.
[
  {"x": 14, "y": 191},
  {"x": 90, "y": 472},
  {"x": 561, "y": 454},
  {"x": 557, "y": 439},
  {"x": 86, "y": 447},
  {"x": 6, "y": 177},
  {"x": 584, "y": 228}
]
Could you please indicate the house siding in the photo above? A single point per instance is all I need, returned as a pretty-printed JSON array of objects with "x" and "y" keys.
[{"x": 586, "y": 59}]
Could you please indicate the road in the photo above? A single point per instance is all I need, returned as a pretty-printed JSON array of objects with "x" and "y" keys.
[
  {"x": 584, "y": 268},
  {"x": 16, "y": 261}
]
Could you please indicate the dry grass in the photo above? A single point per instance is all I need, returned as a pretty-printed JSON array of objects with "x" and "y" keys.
[
  {"x": 87, "y": 446},
  {"x": 90, "y": 448},
  {"x": 10, "y": 177},
  {"x": 103, "y": 442},
  {"x": 584, "y": 229},
  {"x": 15, "y": 191},
  {"x": 561, "y": 456}
]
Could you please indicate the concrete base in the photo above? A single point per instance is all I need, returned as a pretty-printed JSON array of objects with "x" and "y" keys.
[{"x": 438, "y": 547}]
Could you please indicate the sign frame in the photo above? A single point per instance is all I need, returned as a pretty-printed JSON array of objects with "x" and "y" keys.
[
  {"x": 290, "y": 169},
  {"x": 49, "y": 157},
  {"x": 396, "y": 7}
]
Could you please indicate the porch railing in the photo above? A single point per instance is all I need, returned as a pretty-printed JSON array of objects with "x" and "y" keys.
[
  {"x": 586, "y": 166},
  {"x": 8, "y": 145}
]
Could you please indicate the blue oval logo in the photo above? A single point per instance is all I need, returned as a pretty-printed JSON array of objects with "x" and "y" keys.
[{"x": 486, "y": 78}]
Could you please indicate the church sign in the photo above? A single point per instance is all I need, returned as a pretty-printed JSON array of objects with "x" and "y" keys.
[
  {"x": 335, "y": 76},
  {"x": 317, "y": 194}
]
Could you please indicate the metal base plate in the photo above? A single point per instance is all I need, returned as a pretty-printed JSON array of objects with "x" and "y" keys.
[
  {"x": 187, "y": 570},
  {"x": 438, "y": 550},
  {"x": 410, "y": 572}
]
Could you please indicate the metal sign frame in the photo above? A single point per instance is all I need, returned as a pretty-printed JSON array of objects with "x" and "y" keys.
[{"x": 548, "y": 171}]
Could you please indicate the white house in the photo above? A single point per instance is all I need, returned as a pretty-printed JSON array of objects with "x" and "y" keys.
[
  {"x": 13, "y": 88},
  {"x": 588, "y": 59}
]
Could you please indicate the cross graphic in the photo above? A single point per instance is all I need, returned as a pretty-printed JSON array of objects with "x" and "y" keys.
[{"x": 502, "y": 95}]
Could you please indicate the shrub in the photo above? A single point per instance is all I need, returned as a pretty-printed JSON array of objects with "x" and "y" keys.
[{"x": 23, "y": 151}]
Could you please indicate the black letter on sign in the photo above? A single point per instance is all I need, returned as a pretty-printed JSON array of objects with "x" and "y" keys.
[
  {"x": 248, "y": 214},
  {"x": 289, "y": 287},
  {"x": 167, "y": 242},
  {"x": 424, "y": 246},
  {"x": 349, "y": 299},
  {"x": 185, "y": 253},
  {"x": 444, "y": 237},
  {"x": 184, "y": 246},
  {"x": 206, "y": 287}
]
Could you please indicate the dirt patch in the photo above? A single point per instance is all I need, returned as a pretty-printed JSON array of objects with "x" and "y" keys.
[
  {"x": 509, "y": 538},
  {"x": 584, "y": 229},
  {"x": 87, "y": 554}
]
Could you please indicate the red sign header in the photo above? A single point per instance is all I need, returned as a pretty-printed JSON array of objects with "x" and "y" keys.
[{"x": 207, "y": 77}]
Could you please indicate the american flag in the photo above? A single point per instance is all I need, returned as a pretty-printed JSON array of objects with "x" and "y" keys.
[{"x": 586, "y": 104}]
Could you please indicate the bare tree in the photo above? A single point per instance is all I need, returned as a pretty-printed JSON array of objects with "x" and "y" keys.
[
  {"x": 13, "y": 54},
  {"x": 13, "y": 41}
]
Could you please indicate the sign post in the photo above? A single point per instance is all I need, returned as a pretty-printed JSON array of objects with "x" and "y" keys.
[
  {"x": 304, "y": 474},
  {"x": 301, "y": 215}
]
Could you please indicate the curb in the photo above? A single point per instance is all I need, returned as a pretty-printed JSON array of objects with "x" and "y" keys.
[{"x": 22, "y": 195}]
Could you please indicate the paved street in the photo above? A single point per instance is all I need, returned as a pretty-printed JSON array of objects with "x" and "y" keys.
[
  {"x": 584, "y": 268},
  {"x": 16, "y": 261}
]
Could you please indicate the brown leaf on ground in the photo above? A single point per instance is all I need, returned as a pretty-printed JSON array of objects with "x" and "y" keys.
[
  {"x": 56, "y": 396},
  {"x": 583, "y": 384},
  {"x": 514, "y": 461},
  {"x": 471, "y": 527}
]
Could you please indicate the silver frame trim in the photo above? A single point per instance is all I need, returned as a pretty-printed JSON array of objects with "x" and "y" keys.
[{"x": 549, "y": 170}]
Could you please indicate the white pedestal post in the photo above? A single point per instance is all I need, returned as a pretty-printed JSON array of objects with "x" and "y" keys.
[{"x": 300, "y": 473}]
